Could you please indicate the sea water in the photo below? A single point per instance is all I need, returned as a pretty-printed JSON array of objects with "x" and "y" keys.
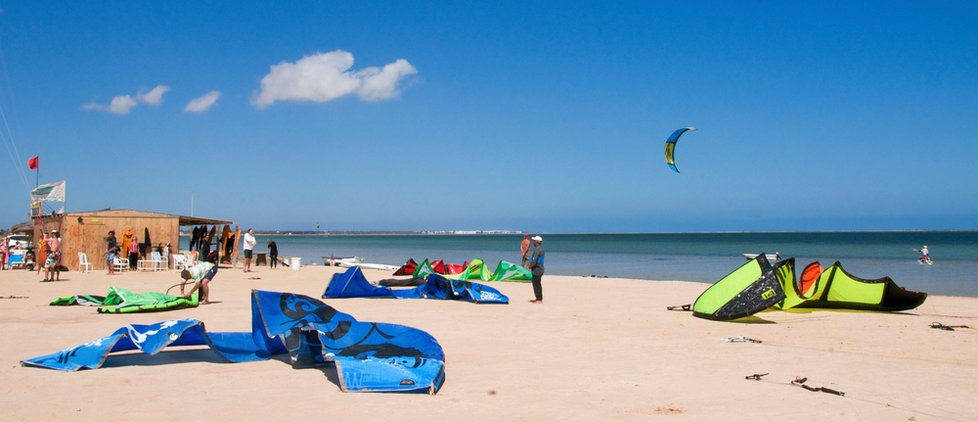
[{"x": 700, "y": 257}]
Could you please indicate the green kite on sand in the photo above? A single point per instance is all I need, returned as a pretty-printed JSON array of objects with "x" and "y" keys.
[
  {"x": 478, "y": 270},
  {"x": 122, "y": 301},
  {"x": 759, "y": 285}
]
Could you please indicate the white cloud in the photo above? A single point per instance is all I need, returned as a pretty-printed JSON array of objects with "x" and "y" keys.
[
  {"x": 122, "y": 104},
  {"x": 153, "y": 97},
  {"x": 376, "y": 85},
  {"x": 324, "y": 77},
  {"x": 203, "y": 103}
]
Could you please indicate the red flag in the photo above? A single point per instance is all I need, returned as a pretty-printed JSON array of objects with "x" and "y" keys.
[{"x": 32, "y": 163}]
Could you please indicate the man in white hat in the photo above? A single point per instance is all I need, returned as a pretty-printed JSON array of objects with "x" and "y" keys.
[{"x": 536, "y": 268}]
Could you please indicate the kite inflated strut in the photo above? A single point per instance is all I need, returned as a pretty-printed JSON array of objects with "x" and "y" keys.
[{"x": 800, "y": 381}]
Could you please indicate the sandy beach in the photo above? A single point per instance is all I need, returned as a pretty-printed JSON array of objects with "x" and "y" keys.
[{"x": 597, "y": 349}]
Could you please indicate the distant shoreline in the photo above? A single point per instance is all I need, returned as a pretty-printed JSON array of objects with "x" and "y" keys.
[{"x": 515, "y": 233}]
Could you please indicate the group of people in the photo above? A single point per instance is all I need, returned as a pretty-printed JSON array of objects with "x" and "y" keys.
[
  {"x": 248, "y": 245},
  {"x": 52, "y": 261},
  {"x": 532, "y": 259},
  {"x": 50, "y": 250},
  {"x": 113, "y": 250}
]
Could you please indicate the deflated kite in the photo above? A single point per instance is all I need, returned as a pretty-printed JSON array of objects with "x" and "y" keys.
[{"x": 368, "y": 356}]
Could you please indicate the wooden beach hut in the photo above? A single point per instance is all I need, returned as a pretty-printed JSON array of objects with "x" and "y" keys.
[{"x": 85, "y": 231}]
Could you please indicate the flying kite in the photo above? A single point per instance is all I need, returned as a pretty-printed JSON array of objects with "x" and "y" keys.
[{"x": 671, "y": 147}]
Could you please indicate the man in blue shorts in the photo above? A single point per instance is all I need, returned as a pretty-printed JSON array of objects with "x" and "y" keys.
[{"x": 202, "y": 274}]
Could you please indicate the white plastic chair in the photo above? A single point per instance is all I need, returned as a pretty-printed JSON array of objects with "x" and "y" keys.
[
  {"x": 160, "y": 262},
  {"x": 120, "y": 264},
  {"x": 155, "y": 263},
  {"x": 83, "y": 264},
  {"x": 180, "y": 262}
]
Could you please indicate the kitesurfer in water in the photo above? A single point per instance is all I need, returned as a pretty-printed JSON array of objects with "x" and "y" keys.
[
  {"x": 536, "y": 268},
  {"x": 924, "y": 254},
  {"x": 202, "y": 274}
]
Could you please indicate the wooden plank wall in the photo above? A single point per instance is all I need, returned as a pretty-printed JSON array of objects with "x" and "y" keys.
[{"x": 86, "y": 232}]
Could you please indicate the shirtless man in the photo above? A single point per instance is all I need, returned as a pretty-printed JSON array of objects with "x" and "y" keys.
[{"x": 52, "y": 264}]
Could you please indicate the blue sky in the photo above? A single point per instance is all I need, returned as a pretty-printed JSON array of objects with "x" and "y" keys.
[{"x": 541, "y": 116}]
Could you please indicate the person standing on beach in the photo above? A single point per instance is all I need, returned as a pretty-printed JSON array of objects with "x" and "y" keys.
[
  {"x": 525, "y": 250},
  {"x": 248, "y": 244},
  {"x": 52, "y": 263},
  {"x": 133, "y": 252},
  {"x": 42, "y": 252},
  {"x": 536, "y": 268},
  {"x": 111, "y": 244},
  {"x": 204, "y": 248},
  {"x": 3, "y": 254},
  {"x": 272, "y": 254},
  {"x": 166, "y": 253},
  {"x": 202, "y": 274}
]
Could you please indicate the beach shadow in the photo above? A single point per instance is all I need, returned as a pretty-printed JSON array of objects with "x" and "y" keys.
[
  {"x": 845, "y": 311},
  {"x": 753, "y": 319},
  {"x": 331, "y": 374},
  {"x": 328, "y": 369},
  {"x": 167, "y": 357}
]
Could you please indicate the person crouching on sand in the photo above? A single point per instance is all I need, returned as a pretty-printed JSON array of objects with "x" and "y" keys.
[{"x": 202, "y": 274}]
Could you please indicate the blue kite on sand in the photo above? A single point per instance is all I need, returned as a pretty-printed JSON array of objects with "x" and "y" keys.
[
  {"x": 353, "y": 283},
  {"x": 369, "y": 356}
]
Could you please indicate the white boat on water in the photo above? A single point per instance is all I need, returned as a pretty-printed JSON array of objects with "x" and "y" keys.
[
  {"x": 367, "y": 265},
  {"x": 331, "y": 261},
  {"x": 355, "y": 261},
  {"x": 772, "y": 257}
]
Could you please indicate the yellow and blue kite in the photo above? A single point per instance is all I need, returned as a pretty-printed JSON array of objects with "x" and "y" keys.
[{"x": 671, "y": 147}]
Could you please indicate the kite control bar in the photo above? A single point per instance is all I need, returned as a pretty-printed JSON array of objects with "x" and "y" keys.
[
  {"x": 940, "y": 326},
  {"x": 800, "y": 381}
]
